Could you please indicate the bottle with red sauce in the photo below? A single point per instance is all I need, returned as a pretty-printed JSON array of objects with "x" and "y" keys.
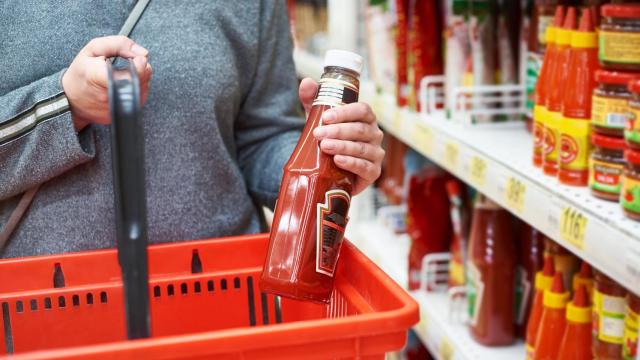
[
  {"x": 553, "y": 322},
  {"x": 555, "y": 91},
  {"x": 460, "y": 225},
  {"x": 608, "y": 318},
  {"x": 576, "y": 342},
  {"x": 312, "y": 209},
  {"x": 584, "y": 277},
  {"x": 575, "y": 126},
  {"x": 530, "y": 260},
  {"x": 544, "y": 279},
  {"x": 491, "y": 275}
]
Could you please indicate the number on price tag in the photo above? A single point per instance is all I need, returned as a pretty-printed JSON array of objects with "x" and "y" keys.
[
  {"x": 451, "y": 151},
  {"x": 446, "y": 349},
  {"x": 478, "y": 170},
  {"x": 422, "y": 138},
  {"x": 573, "y": 226},
  {"x": 514, "y": 193}
]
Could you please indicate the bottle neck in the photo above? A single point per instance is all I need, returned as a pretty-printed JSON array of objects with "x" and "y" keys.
[{"x": 343, "y": 74}]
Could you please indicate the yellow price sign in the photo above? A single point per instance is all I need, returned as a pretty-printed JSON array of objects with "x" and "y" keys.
[
  {"x": 478, "y": 170},
  {"x": 514, "y": 193},
  {"x": 422, "y": 138},
  {"x": 573, "y": 226},
  {"x": 451, "y": 151},
  {"x": 396, "y": 122},
  {"x": 446, "y": 349}
]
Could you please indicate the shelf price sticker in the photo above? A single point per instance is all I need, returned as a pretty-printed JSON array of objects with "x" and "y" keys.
[
  {"x": 446, "y": 349},
  {"x": 478, "y": 171},
  {"x": 422, "y": 138},
  {"x": 396, "y": 122},
  {"x": 573, "y": 226},
  {"x": 514, "y": 193},
  {"x": 451, "y": 150}
]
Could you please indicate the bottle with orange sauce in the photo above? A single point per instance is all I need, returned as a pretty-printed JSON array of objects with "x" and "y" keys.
[
  {"x": 544, "y": 279},
  {"x": 584, "y": 277},
  {"x": 576, "y": 342},
  {"x": 553, "y": 322}
]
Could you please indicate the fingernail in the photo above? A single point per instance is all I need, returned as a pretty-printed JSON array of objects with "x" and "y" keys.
[
  {"x": 329, "y": 116},
  {"x": 329, "y": 145},
  {"x": 320, "y": 133},
  {"x": 139, "y": 50}
]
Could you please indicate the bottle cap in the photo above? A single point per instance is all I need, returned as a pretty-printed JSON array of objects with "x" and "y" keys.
[
  {"x": 615, "y": 77},
  {"x": 344, "y": 59},
  {"x": 579, "y": 310},
  {"x": 555, "y": 297}
]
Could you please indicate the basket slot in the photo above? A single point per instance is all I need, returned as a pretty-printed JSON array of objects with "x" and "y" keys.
[
  {"x": 58, "y": 276},
  {"x": 7, "y": 334}
]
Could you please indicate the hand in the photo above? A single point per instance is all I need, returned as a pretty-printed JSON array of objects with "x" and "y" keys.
[
  {"x": 85, "y": 82},
  {"x": 351, "y": 134}
]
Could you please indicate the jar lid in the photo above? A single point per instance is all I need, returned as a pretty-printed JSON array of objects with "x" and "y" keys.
[
  {"x": 632, "y": 156},
  {"x": 634, "y": 86},
  {"x": 608, "y": 142},
  {"x": 344, "y": 59},
  {"x": 621, "y": 10},
  {"x": 615, "y": 77}
]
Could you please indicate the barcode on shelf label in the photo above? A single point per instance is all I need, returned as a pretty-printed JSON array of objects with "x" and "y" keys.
[
  {"x": 422, "y": 138},
  {"x": 514, "y": 193},
  {"x": 478, "y": 171},
  {"x": 573, "y": 226},
  {"x": 451, "y": 150},
  {"x": 446, "y": 349},
  {"x": 632, "y": 263}
]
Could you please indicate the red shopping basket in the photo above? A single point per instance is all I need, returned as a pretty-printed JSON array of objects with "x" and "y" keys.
[{"x": 205, "y": 303}]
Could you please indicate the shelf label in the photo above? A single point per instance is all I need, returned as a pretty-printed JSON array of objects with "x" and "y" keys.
[
  {"x": 478, "y": 170},
  {"x": 451, "y": 150},
  {"x": 514, "y": 193},
  {"x": 446, "y": 349},
  {"x": 422, "y": 138},
  {"x": 573, "y": 226},
  {"x": 396, "y": 122}
]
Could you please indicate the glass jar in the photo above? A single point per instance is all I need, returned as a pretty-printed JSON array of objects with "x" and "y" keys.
[
  {"x": 620, "y": 37},
  {"x": 609, "y": 102},
  {"x": 608, "y": 318},
  {"x": 632, "y": 126},
  {"x": 631, "y": 326},
  {"x": 630, "y": 192},
  {"x": 606, "y": 166}
]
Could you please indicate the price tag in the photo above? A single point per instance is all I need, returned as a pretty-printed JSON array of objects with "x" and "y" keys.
[
  {"x": 422, "y": 138},
  {"x": 478, "y": 170},
  {"x": 422, "y": 325},
  {"x": 451, "y": 151},
  {"x": 446, "y": 349},
  {"x": 573, "y": 226},
  {"x": 514, "y": 193},
  {"x": 396, "y": 122}
]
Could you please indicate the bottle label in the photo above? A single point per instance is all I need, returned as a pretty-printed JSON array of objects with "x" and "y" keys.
[
  {"x": 539, "y": 116},
  {"x": 631, "y": 327},
  {"x": 334, "y": 92},
  {"x": 523, "y": 294},
  {"x": 609, "y": 317},
  {"x": 475, "y": 291},
  {"x": 605, "y": 177},
  {"x": 331, "y": 223},
  {"x": 544, "y": 21},
  {"x": 607, "y": 112},
  {"x": 551, "y": 127},
  {"x": 575, "y": 144},
  {"x": 632, "y": 127},
  {"x": 619, "y": 47},
  {"x": 630, "y": 194},
  {"x": 456, "y": 271}
]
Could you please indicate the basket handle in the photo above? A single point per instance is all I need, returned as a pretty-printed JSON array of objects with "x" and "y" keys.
[{"x": 127, "y": 154}]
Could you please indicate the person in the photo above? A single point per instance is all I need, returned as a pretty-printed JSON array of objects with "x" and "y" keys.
[{"x": 220, "y": 118}]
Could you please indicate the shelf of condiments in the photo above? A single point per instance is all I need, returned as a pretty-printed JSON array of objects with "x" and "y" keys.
[{"x": 587, "y": 98}]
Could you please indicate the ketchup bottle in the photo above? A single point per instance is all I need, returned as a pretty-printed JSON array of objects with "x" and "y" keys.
[
  {"x": 555, "y": 88},
  {"x": 491, "y": 275},
  {"x": 311, "y": 213},
  {"x": 544, "y": 278},
  {"x": 459, "y": 222},
  {"x": 553, "y": 322},
  {"x": 540, "y": 107},
  {"x": 575, "y": 127},
  {"x": 584, "y": 278},
  {"x": 576, "y": 342},
  {"x": 530, "y": 253}
]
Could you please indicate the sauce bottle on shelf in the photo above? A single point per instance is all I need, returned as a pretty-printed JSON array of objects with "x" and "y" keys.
[
  {"x": 563, "y": 261},
  {"x": 540, "y": 107},
  {"x": 584, "y": 277},
  {"x": 491, "y": 275},
  {"x": 544, "y": 278},
  {"x": 311, "y": 212},
  {"x": 576, "y": 342},
  {"x": 608, "y": 318},
  {"x": 575, "y": 126},
  {"x": 460, "y": 224},
  {"x": 530, "y": 260},
  {"x": 631, "y": 327},
  {"x": 555, "y": 87},
  {"x": 553, "y": 322}
]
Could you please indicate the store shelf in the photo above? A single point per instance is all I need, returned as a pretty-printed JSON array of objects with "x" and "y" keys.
[
  {"x": 496, "y": 159},
  {"x": 307, "y": 64}
]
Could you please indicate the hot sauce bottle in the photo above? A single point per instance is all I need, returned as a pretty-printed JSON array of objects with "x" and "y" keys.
[
  {"x": 553, "y": 322},
  {"x": 555, "y": 87},
  {"x": 311, "y": 212},
  {"x": 575, "y": 127},
  {"x": 576, "y": 342},
  {"x": 530, "y": 259},
  {"x": 584, "y": 277},
  {"x": 631, "y": 327},
  {"x": 544, "y": 278}
]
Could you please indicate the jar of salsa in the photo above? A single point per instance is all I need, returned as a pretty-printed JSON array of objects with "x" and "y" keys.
[
  {"x": 630, "y": 192},
  {"x": 606, "y": 166},
  {"x": 631, "y": 327},
  {"x": 609, "y": 102},
  {"x": 608, "y": 318},
  {"x": 620, "y": 37},
  {"x": 632, "y": 126}
]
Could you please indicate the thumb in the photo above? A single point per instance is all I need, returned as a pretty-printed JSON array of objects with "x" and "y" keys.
[
  {"x": 307, "y": 92},
  {"x": 117, "y": 45}
]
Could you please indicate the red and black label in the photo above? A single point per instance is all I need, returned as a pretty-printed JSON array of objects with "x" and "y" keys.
[
  {"x": 335, "y": 92},
  {"x": 332, "y": 218}
]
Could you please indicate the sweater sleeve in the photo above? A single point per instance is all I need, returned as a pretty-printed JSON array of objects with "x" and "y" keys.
[
  {"x": 270, "y": 122},
  {"x": 37, "y": 137}
]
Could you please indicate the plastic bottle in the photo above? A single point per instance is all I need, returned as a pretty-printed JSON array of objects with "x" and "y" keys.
[
  {"x": 575, "y": 127},
  {"x": 460, "y": 224},
  {"x": 576, "y": 342},
  {"x": 584, "y": 277},
  {"x": 555, "y": 92},
  {"x": 530, "y": 260},
  {"x": 544, "y": 278},
  {"x": 491, "y": 275},
  {"x": 313, "y": 204},
  {"x": 563, "y": 261},
  {"x": 608, "y": 318},
  {"x": 540, "y": 107},
  {"x": 553, "y": 322}
]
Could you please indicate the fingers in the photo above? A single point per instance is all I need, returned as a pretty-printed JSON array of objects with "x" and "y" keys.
[
  {"x": 117, "y": 45},
  {"x": 348, "y": 113},
  {"x": 357, "y": 149},
  {"x": 307, "y": 92},
  {"x": 364, "y": 169},
  {"x": 353, "y": 131}
]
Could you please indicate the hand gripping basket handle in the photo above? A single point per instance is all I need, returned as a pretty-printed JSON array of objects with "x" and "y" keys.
[{"x": 127, "y": 153}]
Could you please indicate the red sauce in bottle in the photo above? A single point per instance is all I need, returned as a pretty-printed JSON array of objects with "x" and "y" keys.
[
  {"x": 311, "y": 213},
  {"x": 553, "y": 322},
  {"x": 608, "y": 318},
  {"x": 576, "y": 343},
  {"x": 530, "y": 260},
  {"x": 491, "y": 275},
  {"x": 544, "y": 278}
]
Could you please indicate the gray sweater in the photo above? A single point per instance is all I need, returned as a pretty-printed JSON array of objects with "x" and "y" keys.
[{"x": 220, "y": 121}]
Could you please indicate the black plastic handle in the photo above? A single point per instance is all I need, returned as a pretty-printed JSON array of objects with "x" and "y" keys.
[{"x": 127, "y": 154}]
